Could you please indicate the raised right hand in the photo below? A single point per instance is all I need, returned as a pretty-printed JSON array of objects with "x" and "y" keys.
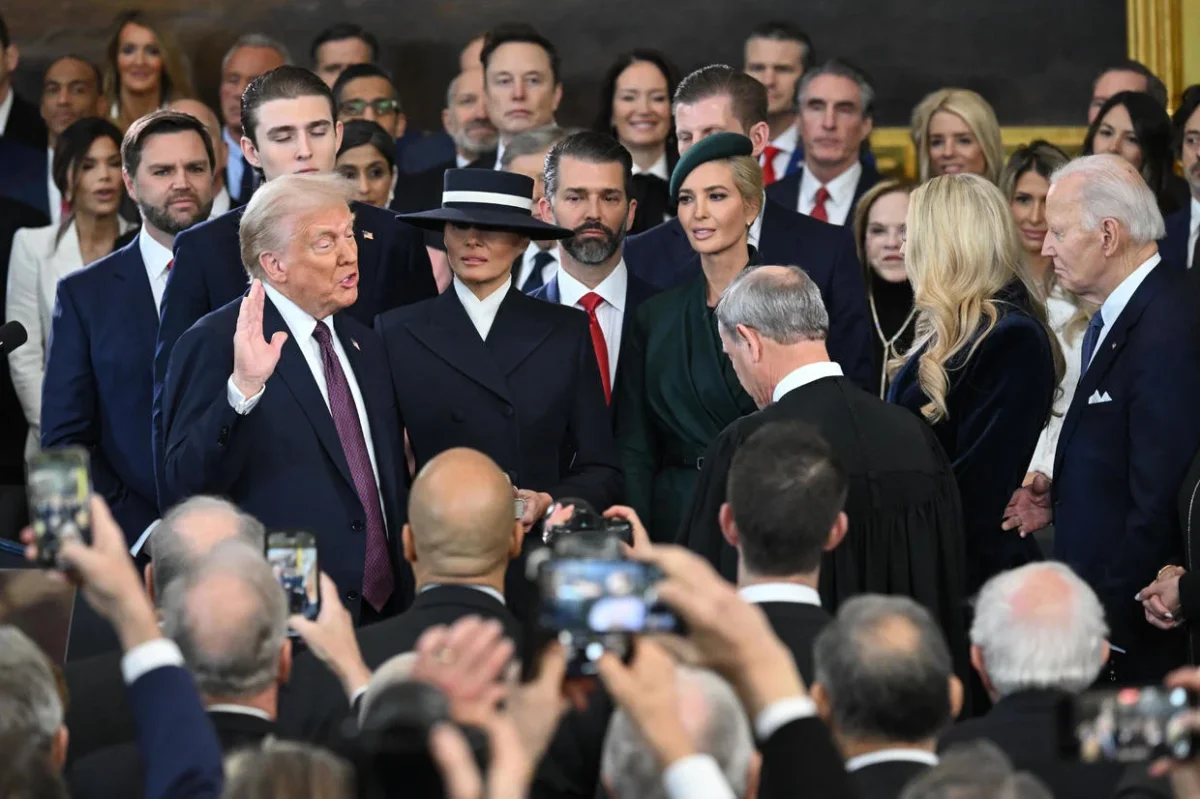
[{"x": 254, "y": 358}]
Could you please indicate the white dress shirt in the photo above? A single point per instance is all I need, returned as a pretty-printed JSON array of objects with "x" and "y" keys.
[
  {"x": 461, "y": 161},
  {"x": 780, "y": 592},
  {"x": 1060, "y": 310},
  {"x": 786, "y": 142},
  {"x": 301, "y": 325},
  {"x": 53, "y": 195},
  {"x": 482, "y": 313},
  {"x": 527, "y": 264},
  {"x": 610, "y": 313},
  {"x": 658, "y": 169},
  {"x": 156, "y": 258},
  {"x": 892, "y": 756},
  {"x": 1193, "y": 231},
  {"x": 1110, "y": 311},
  {"x": 756, "y": 227},
  {"x": 841, "y": 194},
  {"x": 235, "y": 164},
  {"x": 221, "y": 203},
  {"x": 803, "y": 376},
  {"x": 499, "y": 153},
  {"x": 5, "y": 110},
  {"x": 240, "y": 710},
  {"x": 483, "y": 589}
]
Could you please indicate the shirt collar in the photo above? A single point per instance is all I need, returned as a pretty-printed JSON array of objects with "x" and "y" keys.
[
  {"x": 6, "y": 109},
  {"x": 803, "y": 376},
  {"x": 612, "y": 289},
  {"x": 756, "y": 228},
  {"x": 841, "y": 189},
  {"x": 461, "y": 161},
  {"x": 1116, "y": 302},
  {"x": 241, "y": 710},
  {"x": 299, "y": 321},
  {"x": 483, "y": 589},
  {"x": 1195, "y": 217},
  {"x": 892, "y": 755},
  {"x": 787, "y": 141},
  {"x": 658, "y": 169},
  {"x": 780, "y": 592},
  {"x": 220, "y": 203},
  {"x": 499, "y": 153},
  {"x": 481, "y": 311},
  {"x": 154, "y": 255}
]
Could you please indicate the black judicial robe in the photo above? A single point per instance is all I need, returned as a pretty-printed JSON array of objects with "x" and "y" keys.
[
  {"x": 677, "y": 392},
  {"x": 906, "y": 525}
]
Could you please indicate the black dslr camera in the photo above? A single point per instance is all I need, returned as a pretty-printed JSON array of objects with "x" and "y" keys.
[{"x": 587, "y": 534}]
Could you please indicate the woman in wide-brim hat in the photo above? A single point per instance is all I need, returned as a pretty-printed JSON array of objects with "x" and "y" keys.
[
  {"x": 486, "y": 367},
  {"x": 677, "y": 389}
]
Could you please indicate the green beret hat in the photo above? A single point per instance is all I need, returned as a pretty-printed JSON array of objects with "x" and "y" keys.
[{"x": 710, "y": 148}]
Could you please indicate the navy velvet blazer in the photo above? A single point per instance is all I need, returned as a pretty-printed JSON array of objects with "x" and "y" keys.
[
  {"x": 786, "y": 191},
  {"x": 283, "y": 462},
  {"x": 99, "y": 381},
  {"x": 1123, "y": 453},
  {"x": 999, "y": 399},
  {"x": 208, "y": 273},
  {"x": 663, "y": 257}
]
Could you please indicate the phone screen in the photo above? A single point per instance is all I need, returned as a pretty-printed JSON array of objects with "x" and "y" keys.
[
  {"x": 60, "y": 487},
  {"x": 1129, "y": 724},
  {"x": 600, "y": 597},
  {"x": 293, "y": 559}
]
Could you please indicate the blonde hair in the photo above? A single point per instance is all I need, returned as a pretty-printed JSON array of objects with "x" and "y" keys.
[
  {"x": 271, "y": 216},
  {"x": 972, "y": 109},
  {"x": 176, "y": 77},
  {"x": 748, "y": 178},
  {"x": 962, "y": 249},
  {"x": 862, "y": 212}
]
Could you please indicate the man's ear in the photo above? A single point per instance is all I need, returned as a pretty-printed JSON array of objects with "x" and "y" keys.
[
  {"x": 837, "y": 533},
  {"x": 130, "y": 189},
  {"x": 285, "y": 659},
  {"x": 58, "y": 747},
  {"x": 821, "y": 699},
  {"x": 250, "y": 152},
  {"x": 956, "y": 696},
  {"x": 401, "y": 126},
  {"x": 728, "y": 525},
  {"x": 545, "y": 212},
  {"x": 632, "y": 213},
  {"x": 446, "y": 122},
  {"x": 517, "y": 541},
  {"x": 760, "y": 136},
  {"x": 148, "y": 574},
  {"x": 272, "y": 267},
  {"x": 753, "y": 342},
  {"x": 406, "y": 541}
]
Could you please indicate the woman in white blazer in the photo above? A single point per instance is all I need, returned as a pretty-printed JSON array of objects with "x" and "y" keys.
[{"x": 87, "y": 170}]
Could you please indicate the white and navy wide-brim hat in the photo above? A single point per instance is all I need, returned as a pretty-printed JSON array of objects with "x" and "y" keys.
[{"x": 488, "y": 199}]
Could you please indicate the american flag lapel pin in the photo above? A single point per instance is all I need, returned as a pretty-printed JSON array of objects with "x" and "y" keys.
[{"x": 368, "y": 235}]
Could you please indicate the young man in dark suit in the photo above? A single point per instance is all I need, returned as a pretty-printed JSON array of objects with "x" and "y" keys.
[
  {"x": 1131, "y": 432},
  {"x": 717, "y": 98},
  {"x": 589, "y": 180},
  {"x": 98, "y": 388},
  {"x": 19, "y": 120},
  {"x": 1178, "y": 247},
  {"x": 835, "y": 119},
  {"x": 289, "y": 126},
  {"x": 281, "y": 401}
]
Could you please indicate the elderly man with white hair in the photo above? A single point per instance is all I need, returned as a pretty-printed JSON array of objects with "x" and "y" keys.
[
  {"x": 1132, "y": 429},
  {"x": 283, "y": 403},
  {"x": 30, "y": 706}
]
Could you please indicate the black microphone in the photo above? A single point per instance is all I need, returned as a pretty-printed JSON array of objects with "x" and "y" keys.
[{"x": 12, "y": 335}]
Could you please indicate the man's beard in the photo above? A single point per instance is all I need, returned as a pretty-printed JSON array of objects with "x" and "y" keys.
[
  {"x": 476, "y": 145},
  {"x": 593, "y": 251},
  {"x": 161, "y": 218}
]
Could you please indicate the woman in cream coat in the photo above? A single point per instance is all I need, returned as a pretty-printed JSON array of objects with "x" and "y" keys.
[{"x": 87, "y": 170}]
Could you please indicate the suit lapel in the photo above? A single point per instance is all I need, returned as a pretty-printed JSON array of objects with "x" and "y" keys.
[
  {"x": 293, "y": 370},
  {"x": 519, "y": 329},
  {"x": 552, "y": 294},
  {"x": 448, "y": 332},
  {"x": 772, "y": 231},
  {"x": 139, "y": 297}
]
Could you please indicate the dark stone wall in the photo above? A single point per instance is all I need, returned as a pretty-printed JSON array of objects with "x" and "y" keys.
[{"x": 1034, "y": 59}]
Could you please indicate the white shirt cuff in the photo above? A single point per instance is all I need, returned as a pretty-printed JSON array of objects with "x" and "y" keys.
[
  {"x": 145, "y": 658},
  {"x": 240, "y": 404},
  {"x": 696, "y": 777},
  {"x": 136, "y": 549},
  {"x": 781, "y": 713},
  {"x": 357, "y": 695}
]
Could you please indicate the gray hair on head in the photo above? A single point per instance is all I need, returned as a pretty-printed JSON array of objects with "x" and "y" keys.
[
  {"x": 256, "y": 40},
  {"x": 781, "y": 302},
  {"x": 628, "y": 766},
  {"x": 393, "y": 671},
  {"x": 270, "y": 218},
  {"x": 1111, "y": 189},
  {"x": 231, "y": 637},
  {"x": 171, "y": 553},
  {"x": 976, "y": 770},
  {"x": 30, "y": 706},
  {"x": 1053, "y": 638},
  {"x": 534, "y": 141},
  {"x": 841, "y": 69}
]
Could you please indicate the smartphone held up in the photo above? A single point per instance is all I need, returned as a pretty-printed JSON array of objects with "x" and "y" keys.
[{"x": 60, "y": 488}]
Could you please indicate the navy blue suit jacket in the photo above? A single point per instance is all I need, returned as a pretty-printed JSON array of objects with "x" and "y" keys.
[
  {"x": 283, "y": 462},
  {"x": 1173, "y": 246},
  {"x": 208, "y": 273},
  {"x": 1120, "y": 463},
  {"x": 23, "y": 174},
  {"x": 99, "y": 380},
  {"x": 176, "y": 740},
  {"x": 663, "y": 257},
  {"x": 786, "y": 191}
]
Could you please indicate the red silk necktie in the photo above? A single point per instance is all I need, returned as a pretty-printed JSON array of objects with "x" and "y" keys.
[
  {"x": 769, "y": 153},
  {"x": 590, "y": 302},
  {"x": 818, "y": 211}
]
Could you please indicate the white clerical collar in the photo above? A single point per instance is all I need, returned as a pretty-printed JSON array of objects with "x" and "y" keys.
[
  {"x": 241, "y": 710},
  {"x": 890, "y": 756},
  {"x": 612, "y": 289},
  {"x": 786, "y": 142},
  {"x": 841, "y": 189},
  {"x": 803, "y": 376},
  {"x": 756, "y": 229},
  {"x": 1116, "y": 302},
  {"x": 154, "y": 255},
  {"x": 780, "y": 592},
  {"x": 658, "y": 169},
  {"x": 299, "y": 321},
  {"x": 482, "y": 313},
  {"x": 483, "y": 589}
]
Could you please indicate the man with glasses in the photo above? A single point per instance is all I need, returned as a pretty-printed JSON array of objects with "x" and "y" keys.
[{"x": 364, "y": 91}]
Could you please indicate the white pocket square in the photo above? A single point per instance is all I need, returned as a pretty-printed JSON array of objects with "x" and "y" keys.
[{"x": 1098, "y": 398}]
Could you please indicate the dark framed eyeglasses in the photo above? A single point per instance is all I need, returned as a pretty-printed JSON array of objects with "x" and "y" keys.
[{"x": 381, "y": 107}]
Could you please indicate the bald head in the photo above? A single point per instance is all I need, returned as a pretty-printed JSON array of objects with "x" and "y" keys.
[
  {"x": 208, "y": 118},
  {"x": 1038, "y": 626},
  {"x": 192, "y": 529},
  {"x": 460, "y": 517}
]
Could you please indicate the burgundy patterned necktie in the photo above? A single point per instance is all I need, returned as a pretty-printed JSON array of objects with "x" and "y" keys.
[{"x": 378, "y": 581}]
